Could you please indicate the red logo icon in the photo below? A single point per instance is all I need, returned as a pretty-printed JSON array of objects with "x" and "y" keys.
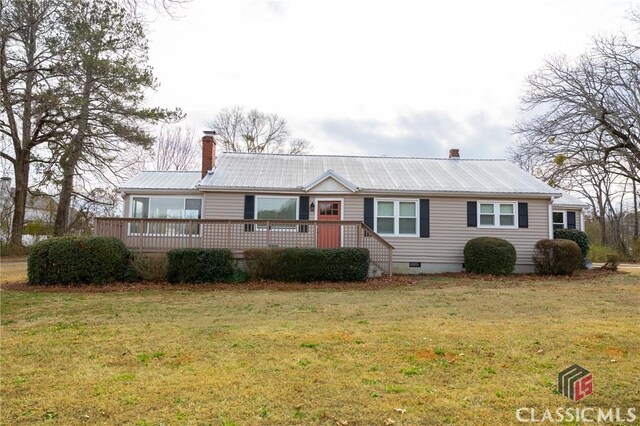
[{"x": 575, "y": 383}]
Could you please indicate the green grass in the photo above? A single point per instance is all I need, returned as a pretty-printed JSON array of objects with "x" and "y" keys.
[{"x": 448, "y": 351}]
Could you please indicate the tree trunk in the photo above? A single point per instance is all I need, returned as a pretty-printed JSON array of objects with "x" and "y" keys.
[
  {"x": 602, "y": 221},
  {"x": 66, "y": 189},
  {"x": 635, "y": 210},
  {"x": 21, "y": 173},
  {"x": 71, "y": 158}
]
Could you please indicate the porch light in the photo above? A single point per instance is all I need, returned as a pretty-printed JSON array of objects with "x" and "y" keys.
[{"x": 312, "y": 207}]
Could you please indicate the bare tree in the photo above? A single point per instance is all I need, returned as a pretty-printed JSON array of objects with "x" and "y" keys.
[
  {"x": 176, "y": 148},
  {"x": 592, "y": 104},
  {"x": 583, "y": 132},
  {"x": 29, "y": 113},
  {"x": 255, "y": 131}
]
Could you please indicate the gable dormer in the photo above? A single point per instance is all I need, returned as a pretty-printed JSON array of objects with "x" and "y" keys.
[{"x": 330, "y": 182}]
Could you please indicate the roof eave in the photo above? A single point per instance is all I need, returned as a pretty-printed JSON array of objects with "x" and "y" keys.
[
  {"x": 159, "y": 190},
  {"x": 544, "y": 195}
]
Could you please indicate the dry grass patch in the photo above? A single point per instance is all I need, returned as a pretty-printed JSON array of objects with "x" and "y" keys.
[
  {"x": 447, "y": 350},
  {"x": 13, "y": 269}
]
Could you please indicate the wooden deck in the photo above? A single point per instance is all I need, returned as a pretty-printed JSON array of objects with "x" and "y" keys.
[{"x": 161, "y": 235}]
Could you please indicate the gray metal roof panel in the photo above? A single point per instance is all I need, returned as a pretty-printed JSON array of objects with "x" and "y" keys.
[
  {"x": 567, "y": 200},
  {"x": 273, "y": 171},
  {"x": 169, "y": 180}
]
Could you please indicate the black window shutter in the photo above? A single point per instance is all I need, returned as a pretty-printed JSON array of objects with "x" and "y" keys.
[
  {"x": 249, "y": 211},
  {"x": 368, "y": 212},
  {"x": 303, "y": 213},
  {"x": 424, "y": 218},
  {"x": 249, "y": 206},
  {"x": 472, "y": 213},
  {"x": 303, "y": 209},
  {"x": 571, "y": 220},
  {"x": 523, "y": 215}
]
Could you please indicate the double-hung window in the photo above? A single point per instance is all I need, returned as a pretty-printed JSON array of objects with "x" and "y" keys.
[
  {"x": 166, "y": 208},
  {"x": 496, "y": 215},
  {"x": 559, "y": 220},
  {"x": 395, "y": 217}
]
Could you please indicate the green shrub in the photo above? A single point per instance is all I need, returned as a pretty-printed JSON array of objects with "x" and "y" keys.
[
  {"x": 556, "y": 257},
  {"x": 579, "y": 237},
  {"x": 193, "y": 265},
  {"x": 599, "y": 253},
  {"x": 613, "y": 260},
  {"x": 488, "y": 255},
  {"x": 308, "y": 264},
  {"x": 79, "y": 260},
  {"x": 150, "y": 267}
]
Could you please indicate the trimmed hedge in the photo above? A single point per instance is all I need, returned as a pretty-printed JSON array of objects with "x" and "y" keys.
[
  {"x": 489, "y": 255},
  {"x": 556, "y": 257},
  {"x": 193, "y": 265},
  {"x": 579, "y": 237},
  {"x": 308, "y": 264},
  {"x": 79, "y": 260}
]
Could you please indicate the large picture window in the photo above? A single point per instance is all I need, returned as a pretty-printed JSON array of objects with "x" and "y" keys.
[
  {"x": 497, "y": 215},
  {"x": 166, "y": 208},
  {"x": 395, "y": 217},
  {"x": 276, "y": 208}
]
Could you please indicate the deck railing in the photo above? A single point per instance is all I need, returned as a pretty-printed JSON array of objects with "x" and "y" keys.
[{"x": 160, "y": 235}]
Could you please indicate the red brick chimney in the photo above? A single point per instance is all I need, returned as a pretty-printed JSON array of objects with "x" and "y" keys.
[
  {"x": 208, "y": 151},
  {"x": 454, "y": 153}
]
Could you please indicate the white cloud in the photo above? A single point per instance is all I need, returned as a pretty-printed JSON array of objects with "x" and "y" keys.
[{"x": 319, "y": 62}]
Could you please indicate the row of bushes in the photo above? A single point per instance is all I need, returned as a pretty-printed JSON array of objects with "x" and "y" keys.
[
  {"x": 562, "y": 255},
  {"x": 99, "y": 260},
  {"x": 96, "y": 260}
]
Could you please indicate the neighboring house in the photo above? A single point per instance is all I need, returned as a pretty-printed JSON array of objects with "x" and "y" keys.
[
  {"x": 423, "y": 209},
  {"x": 39, "y": 213}
]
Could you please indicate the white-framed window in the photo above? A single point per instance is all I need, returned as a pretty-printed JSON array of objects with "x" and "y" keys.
[
  {"x": 559, "y": 219},
  {"x": 166, "y": 207},
  {"x": 497, "y": 214},
  {"x": 277, "y": 208},
  {"x": 396, "y": 217}
]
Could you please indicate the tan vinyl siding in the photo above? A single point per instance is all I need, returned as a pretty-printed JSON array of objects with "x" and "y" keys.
[
  {"x": 353, "y": 208},
  {"x": 448, "y": 225},
  {"x": 449, "y": 233},
  {"x": 126, "y": 209},
  {"x": 230, "y": 205},
  {"x": 223, "y": 205}
]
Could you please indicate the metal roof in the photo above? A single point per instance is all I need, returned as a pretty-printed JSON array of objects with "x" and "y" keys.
[
  {"x": 374, "y": 174},
  {"x": 567, "y": 200},
  {"x": 170, "y": 180}
]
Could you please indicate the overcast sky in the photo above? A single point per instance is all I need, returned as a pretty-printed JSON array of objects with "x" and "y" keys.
[{"x": 372, "y": 77}]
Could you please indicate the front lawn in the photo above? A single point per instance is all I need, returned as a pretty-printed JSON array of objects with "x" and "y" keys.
[{"x": 441, "y": 351}]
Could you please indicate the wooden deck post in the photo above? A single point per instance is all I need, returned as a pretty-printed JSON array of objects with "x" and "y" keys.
[{"x": 141, "y": 231}]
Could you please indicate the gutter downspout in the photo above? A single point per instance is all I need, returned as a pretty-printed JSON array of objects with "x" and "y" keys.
[{"x": 550, "y": 223}]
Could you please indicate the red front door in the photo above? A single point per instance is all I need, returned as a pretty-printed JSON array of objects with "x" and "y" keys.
[{"x": 329, "y": 233}]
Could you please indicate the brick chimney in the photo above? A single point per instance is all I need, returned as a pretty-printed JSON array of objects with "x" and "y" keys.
[
  {"x": 454, "y": 153},
  {"x": 208, "y": 151}
]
